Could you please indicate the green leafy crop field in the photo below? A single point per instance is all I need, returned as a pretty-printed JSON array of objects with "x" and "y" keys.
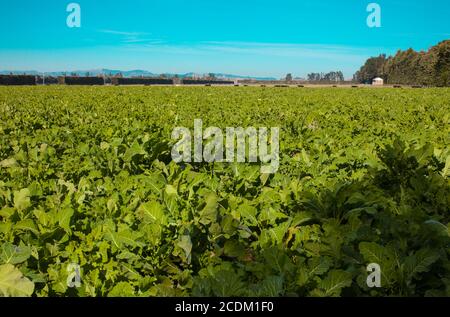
[{"x": 87, "y": 181}]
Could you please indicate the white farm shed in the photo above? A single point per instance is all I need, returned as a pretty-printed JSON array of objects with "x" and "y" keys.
[{"x": 378, "y": 81}]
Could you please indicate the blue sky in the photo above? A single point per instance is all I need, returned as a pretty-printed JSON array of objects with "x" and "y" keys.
[{"x": 247, "y": 37}]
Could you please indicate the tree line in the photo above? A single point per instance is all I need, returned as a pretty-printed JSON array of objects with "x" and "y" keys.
[
  {"x": 331, "y": 76},
  {"x": 336, "y": 76},
  {"x": 431, "y": 68}
]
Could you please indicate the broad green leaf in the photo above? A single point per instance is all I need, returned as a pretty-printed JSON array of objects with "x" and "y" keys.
[
  {"x": 135, "y": 149},
  {"x": 249, "y": 213},
  {"x": 233, "y": 249},
  {"x": 438, "y": 227},
  {"x": 446, "y": 170},
  {"x": 275, "y": 235},
  {"x": 124, "y": 237},
  {"x": 22, "y": 199},
  {"x": 334, "y": 282},
  {"x": 383, "y": 256},
  {"x": 374, "y": 253},
  {"x": 319, "y": 265},
  {"x": 122, "y": 289},
  {"x": 170, "y": 190},
  {"x": 152, "y": 212},
  {"x": 26, "y": 225},
  {"x": 185, "y": 244},
  {"x": 129, "y": 237},
  {"x": 226, "y": 284},
  {"x": 421, "y": 261},
  {"x": 8, "y": 162},
  {"x": 13, "y": 283},
  {"x": 209, "y": 213},
  {"x": 14, "y": 254},
  {"x": 271, "y": 286},
  {"x": 64, "y": 218}
]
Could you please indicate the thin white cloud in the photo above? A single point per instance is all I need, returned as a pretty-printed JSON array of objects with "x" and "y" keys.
[
  {"x": 315, "y": 51},
  {"x": 130, "y": 37},
  {"x": 123, "y": 33},
  {"x": 308, "y": 57}
]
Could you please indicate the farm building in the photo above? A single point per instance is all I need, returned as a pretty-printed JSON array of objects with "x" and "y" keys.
[
  {"x": 141, "y": 81},
  {"x": 206, "y": 82},
  {"x": 378, "y": 81},
  {"x": 17, "y": 80},
  {"x": 73, "y": 80}
]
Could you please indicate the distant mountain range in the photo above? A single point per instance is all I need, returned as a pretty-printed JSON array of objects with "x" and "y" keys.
[{"x": 130, "y": 73}]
